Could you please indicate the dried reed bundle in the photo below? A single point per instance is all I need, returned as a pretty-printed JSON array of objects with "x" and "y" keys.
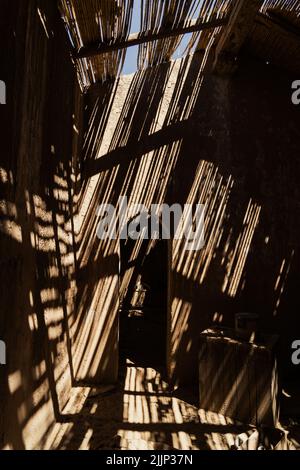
[
  {"x": 109, "y": 21},
  {"x": 91, "y": 21},
  {"x": 171, "y": 14}
]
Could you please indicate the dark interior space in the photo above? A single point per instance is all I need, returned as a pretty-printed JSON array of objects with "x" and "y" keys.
[{"x": 143, "y": 314}]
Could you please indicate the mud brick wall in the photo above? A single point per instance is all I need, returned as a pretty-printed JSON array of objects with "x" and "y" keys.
[{"x": 39, "y": 145}]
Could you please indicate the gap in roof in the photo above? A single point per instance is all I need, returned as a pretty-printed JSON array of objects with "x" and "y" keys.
[
  {"x": 136, "y": 17},
  {"x": 130, "y": 63},
  {"x": 179, "y": 53},
  {"x": 181, "y": 49},
  {"x": 196, "y": 12}
]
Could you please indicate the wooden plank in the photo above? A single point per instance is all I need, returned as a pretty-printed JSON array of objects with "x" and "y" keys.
[{"x": 148, "y": 36}]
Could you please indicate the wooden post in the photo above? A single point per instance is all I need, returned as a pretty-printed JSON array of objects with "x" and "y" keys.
[{"x": 234, "y": 35}]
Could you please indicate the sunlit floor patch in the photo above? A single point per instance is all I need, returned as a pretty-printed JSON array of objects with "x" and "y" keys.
[{"x": 141, "y": 412}]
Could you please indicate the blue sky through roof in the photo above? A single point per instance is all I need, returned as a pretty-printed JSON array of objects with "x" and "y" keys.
[{"x": 130, "y": 64}]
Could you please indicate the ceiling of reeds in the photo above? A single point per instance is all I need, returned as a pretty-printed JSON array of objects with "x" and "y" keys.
[{"x": 276, "y": 32}]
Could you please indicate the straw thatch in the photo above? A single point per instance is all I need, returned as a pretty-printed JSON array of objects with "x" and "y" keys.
[
  {"x": 275, "y": 35},
  {"x": 173, "y": 14},
  {"x": 106, "y": 21}
]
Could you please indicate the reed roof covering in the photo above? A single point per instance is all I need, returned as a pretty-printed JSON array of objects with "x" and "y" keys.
[{"x": 109, "y": 22}]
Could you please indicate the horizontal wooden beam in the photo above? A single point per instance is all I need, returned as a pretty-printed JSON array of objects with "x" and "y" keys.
[{"x": 149, "y": 36}]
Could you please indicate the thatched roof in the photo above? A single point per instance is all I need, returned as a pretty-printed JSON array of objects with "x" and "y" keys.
[{"x": 275, "y": 35}]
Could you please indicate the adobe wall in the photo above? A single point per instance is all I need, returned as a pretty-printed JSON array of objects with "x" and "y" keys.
[{"x": 38, "y": 163}]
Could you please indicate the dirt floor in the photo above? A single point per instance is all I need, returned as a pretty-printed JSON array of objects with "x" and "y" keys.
[{"x": 141, "y": 412}]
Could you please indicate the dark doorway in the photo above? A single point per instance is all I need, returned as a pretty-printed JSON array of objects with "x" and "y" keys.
[{"x": 144, "y": 290}]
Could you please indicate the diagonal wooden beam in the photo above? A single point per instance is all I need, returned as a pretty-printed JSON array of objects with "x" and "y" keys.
[
  {"x": 234, "y": 35},
  {"x": 149, "y": 36}
]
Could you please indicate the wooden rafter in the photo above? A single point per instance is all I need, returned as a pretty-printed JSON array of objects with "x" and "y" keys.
[{"x": 138, "y": 38}]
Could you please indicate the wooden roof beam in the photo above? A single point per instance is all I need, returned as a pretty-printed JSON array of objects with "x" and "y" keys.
[
  {"x": 149, "y": 36},
  {"x": 234, "y": 35}
]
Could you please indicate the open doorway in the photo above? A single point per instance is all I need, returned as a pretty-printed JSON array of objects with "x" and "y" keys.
[{"x": 144, "y": 291}]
